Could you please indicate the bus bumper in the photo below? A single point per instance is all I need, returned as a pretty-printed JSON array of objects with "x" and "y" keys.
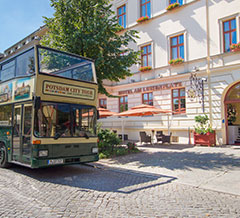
[{"x": 39, "y": 163}]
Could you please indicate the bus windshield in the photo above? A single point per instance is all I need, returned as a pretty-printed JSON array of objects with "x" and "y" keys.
[
  {"x": 64, "y": 120},
  {"x": 65, "y": 65}
]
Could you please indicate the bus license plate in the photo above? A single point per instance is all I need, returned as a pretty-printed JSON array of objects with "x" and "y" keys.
[{"x": 55, "y": 161}]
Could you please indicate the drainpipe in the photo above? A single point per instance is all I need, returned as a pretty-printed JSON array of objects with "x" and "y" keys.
[{"x": 208, "y": 64}]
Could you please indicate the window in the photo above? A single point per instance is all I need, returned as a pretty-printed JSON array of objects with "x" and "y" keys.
[
  {"x": 229, "y": 34},
  {"x": 146, "y": 56},
  {"x": 147, "y": 98},
  {"x": 25, "y": 64},
  {"x": 176, "y": 1},
  {"x": 121, "y": 15},
  {"x": 177, "y": 47},
  {"x": 8, "y": 71},
  {"x": 103, "y": 103},
  {"x": 145, "y": 7},
  {"x": 65, "y": 65},
  {"x": 5, "y": 115},
  {"x": 178, "y": 100},
  {"x": 64, "y": 120},
  {"x": 123, "y": 103}
]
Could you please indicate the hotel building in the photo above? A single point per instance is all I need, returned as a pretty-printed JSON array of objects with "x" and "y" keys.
[{"x": 187, "y": 66}]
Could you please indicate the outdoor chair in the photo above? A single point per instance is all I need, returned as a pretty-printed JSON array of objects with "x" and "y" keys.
[
  {"x": 159, "y": 135},
  {"x": 166, "y": 138},
  {"x": 145, "y": 138},
  {"x": 163, "y": 138}
]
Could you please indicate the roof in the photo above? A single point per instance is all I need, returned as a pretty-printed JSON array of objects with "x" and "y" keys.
[{"x": 29, "y": 40}]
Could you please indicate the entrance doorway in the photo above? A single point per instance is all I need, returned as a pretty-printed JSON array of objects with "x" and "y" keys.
[
  {"x": 232, "y": 115},
  {"x": 22, "y": 129}
]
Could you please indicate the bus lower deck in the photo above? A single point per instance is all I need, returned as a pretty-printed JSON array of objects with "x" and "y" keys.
[{"x": 47, "y": 109}]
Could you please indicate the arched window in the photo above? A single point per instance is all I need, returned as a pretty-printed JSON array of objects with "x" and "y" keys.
[{"x": 234, "y": 93}]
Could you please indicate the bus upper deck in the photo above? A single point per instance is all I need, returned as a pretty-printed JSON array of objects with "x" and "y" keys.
[{"x": 47, "y": 108}]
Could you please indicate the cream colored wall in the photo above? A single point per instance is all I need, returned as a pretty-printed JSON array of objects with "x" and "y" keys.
[
  {"x": 179, "y": 124},
  {"x": 224, "y": 67}
]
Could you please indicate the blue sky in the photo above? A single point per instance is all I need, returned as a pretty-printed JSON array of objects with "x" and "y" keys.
[{"x": 19, "y": 18}]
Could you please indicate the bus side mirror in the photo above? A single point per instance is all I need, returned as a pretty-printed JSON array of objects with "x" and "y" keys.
[{"x": 37, "y": 102}]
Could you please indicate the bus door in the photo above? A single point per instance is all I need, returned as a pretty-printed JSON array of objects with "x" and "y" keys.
[{"x": 22, "y": 128}]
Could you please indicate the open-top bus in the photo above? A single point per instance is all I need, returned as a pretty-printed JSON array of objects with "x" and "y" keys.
[{"x": 48, "y": 109}]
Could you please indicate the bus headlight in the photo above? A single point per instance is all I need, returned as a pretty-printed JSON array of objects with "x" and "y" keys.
[
  {"x": 94, "y": 150},
  {"x": 43, "y": 153}
]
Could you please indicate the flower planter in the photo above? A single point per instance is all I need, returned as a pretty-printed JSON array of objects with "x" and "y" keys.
[
  {"x": 235, "y": 47},
  {"x": 120, "y": 29},
  {"x": 176, "y": 61},
  {"x": 142, "y": 19},
  {"x": 146, "y": 68},
  {"x": 172, "y": 6},
  {"x": 205, "y": 139}
]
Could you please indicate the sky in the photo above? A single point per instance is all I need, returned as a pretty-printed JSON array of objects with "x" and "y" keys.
[{"x": 19, "y": 18}]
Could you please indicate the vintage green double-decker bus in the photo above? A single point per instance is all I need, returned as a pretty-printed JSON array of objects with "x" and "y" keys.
[{"x": 48, "y": 109}]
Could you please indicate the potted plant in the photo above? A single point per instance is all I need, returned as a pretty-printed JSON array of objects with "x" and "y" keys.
[
  {"x": 172, "y": 6},
  {"x": 231, "y": 114},
  {"x": 176, "y": 61},
  {"x": 146, "y": 68},
  {"x": 235, "y": 47},
  {"x": 203, "y": 132},
  {"x": 131, "y": 145},
  {"x": 142, "y": 19}
]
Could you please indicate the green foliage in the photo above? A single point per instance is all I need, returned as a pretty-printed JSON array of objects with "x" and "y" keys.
[
  {"x": 203, "y": 125},
  {"x": 131, "y": 145},
  {"x": 176, "y": 61},
  {"x": 172, "y": 6},
  {"x": 231, "y": 114},
  {"x": 107, "y": 140},
  {"x": 109, "y": 144},
  {"x": 89, "y": 28}
]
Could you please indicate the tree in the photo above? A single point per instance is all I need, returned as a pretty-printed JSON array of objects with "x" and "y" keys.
[{"x": 89, "y": 28}]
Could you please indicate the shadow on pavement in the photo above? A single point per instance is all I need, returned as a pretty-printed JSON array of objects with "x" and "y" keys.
[
  {"x": 174, "y": 160},
  {"x": 104, "y": 179},
  {"x": 167, "y": 146}
]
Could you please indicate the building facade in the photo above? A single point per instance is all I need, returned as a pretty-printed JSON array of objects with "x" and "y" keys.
[
  {"x": 189, "y": 65},
  {"x": 28, "y": 41}
]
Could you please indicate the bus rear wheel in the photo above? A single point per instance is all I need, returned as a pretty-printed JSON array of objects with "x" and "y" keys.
[{"x": 3, "y": 156}]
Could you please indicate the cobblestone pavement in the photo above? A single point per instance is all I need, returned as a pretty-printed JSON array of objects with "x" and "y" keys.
[
  {"x": 213, "y": 168},
  {"x": 84, "y": 191}
]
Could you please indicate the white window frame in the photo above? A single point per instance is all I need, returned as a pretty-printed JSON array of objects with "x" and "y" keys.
[
  {"x": 153, "y": 52},
  {"x": 119, "y": 4},
  {"x": 184, "y": 32},
  {"x": 139, "y": 8},
  {"x": 220, "y": 23}
]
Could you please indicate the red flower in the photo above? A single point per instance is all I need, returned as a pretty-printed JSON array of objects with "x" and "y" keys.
[
  {"x": 141, "y": 19},
  {"x": 146, "y": 68}
]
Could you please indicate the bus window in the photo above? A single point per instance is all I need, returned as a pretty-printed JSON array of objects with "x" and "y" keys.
[
  {"x": 27, "y": 129},
  {"x": 51, "y": 61},
  {"x": 25, "y": 64},
  {"x": 53, "y": 119},
  {"x": 60, "y": 120},
  {"x": 61, "y": 64},
  {"x": 8, "y": 71},
  {"x": 84, "y": 120},
  {"x": 67, "y": 74},
  {"x": 83, "y": 73},
  {"x": 5, "y": 115}
]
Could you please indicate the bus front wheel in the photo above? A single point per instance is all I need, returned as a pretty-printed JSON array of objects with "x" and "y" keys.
[{"x": 3, "y": 156}]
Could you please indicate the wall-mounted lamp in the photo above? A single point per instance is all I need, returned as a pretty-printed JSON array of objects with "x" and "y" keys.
[{"x": 197, "y": 86}]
